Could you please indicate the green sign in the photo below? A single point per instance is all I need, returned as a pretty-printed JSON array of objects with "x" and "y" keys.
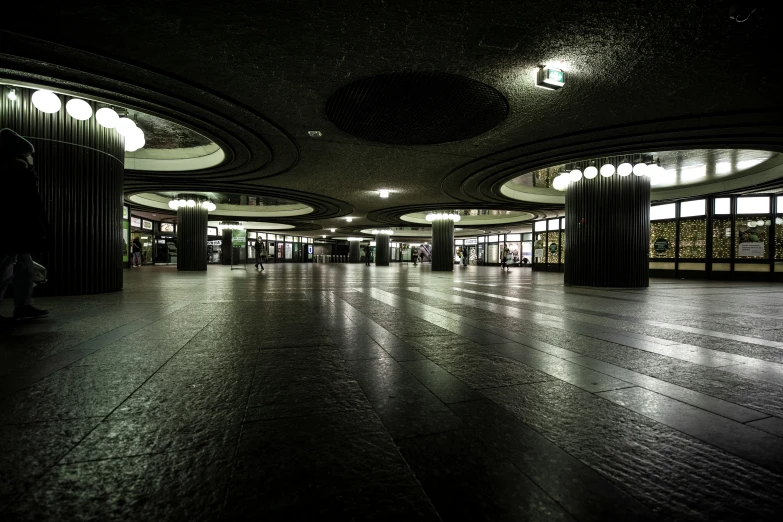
[
  {"x": 661, "y": 245},
  {"x": 555, "y": 75},
  {"x": 553, "y": 247},
  {"x": 238, "y": 237}
]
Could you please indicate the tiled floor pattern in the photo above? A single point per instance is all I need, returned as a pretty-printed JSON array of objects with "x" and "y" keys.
[{"x": 346, "y": 392}]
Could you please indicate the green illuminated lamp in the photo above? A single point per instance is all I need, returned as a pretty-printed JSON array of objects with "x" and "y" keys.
[{"x": 550, "y": 78}]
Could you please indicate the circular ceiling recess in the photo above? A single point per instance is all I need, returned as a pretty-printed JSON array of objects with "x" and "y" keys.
[{"x": 416, "y": 108}]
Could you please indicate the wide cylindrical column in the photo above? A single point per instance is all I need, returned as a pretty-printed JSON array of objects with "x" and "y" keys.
[
  {"x": 382, "y": 250},
  {"x": 225, "y": 247},
  {"x": 192, "y": 238},
  {"x": 354, "y": 252},
  {"x": 81, "y": 169},
  {"x": 442, "y": 245},
  {"x": 608, "y": 231}
]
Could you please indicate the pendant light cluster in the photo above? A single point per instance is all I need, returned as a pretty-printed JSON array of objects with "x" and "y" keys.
[
  {"x": 382, "y": 231},
  {"x": 231, "y": 225},
  {"x": 441, "y": 216},
  {"x": 639, "y": 165},
  {"x": 79, "y": 109},
  {"x": 178, "y": 202}
]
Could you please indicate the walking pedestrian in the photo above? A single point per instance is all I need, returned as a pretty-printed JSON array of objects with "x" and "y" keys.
[
  {"x": 504, "y": 257},
  {"x": 136, "y": 250},
  {"x": 20, "y": 202},
  {"x": 367, "y": 255},
  {"x": 260, "y": 254}
]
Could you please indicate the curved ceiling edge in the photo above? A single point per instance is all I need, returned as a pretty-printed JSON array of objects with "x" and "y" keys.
[
  {"x": 481, "y": 179},
  {"x": 392, "y": 215},
  {"x": 229, "y": 123}
]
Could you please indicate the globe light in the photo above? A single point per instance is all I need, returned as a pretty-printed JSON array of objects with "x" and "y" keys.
[
  {"x": 173, "y": 204},
  {"x": 107, "y": 117},
  {"x": 12, "y": 94},
  {"x": 575, "y": 175},
  {"x": 205, "y": 204},
  {"x": 625, "y": 169},
  {"x": 125, "y": 125},
  {"x": 191, "y": 203},
  {"x": 640, "y": 169},
  {"x": 211, "y": 207},
  {"x": 182, "y": 203},
  {"x": 134, "y": 140},
  {"x": 332, "y": 230},
  {"x": 560, "y": 182},
  {"x": 78, "y": 109},
  {"x": 591, "y": 172},
  {"x": 607, "y": 170},
  {"x": 46, "y": 101}
]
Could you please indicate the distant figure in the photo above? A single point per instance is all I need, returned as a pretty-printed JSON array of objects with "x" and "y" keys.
[
  {"x": 260, "y": 254},
  {"x": 20, "y": 203},
  {"x": 367, "y": 255},
  {"x": 504, "y": 255},
  {"x": 415, "y": 256},
  {"x": 525, "y": 261},
  {"x": 136, "y": 249}
]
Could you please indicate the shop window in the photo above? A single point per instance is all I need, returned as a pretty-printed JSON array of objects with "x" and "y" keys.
[
  {"x": 752, "y": 237},
  {"x": 753, "y": 205},
  {"x": 553, "y": 247},
  {"x": 493, "y": 255},
  {"x": 662, "y": 212},
  {"x": 662, "y": 239},
  {"x": 492, "y": 239},
  {"x": 723, "y": 206},
  {"x": 527, "y": 237},
  {"x": 721, "y": 238},
  {"x": 693, "y": 208},
  {"x": 481, "y": 239},
  {"x": 779, "y": 235},
  {"x": 779, "y": 203},
  {"x": 553, "y": 224},
  {"x": 693, "y": 238},
  {"x": 539, "y": 247},
  {"x": 540, "y": 226},
  {"x": 562, "y": 247}
]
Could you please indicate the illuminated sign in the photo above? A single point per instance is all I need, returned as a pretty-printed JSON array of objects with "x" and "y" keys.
[
  {"x": 550, "y": 78},
  {"x": 146, "y": 225},
  {"x": 135, "y": 222},
  {"x": 167, "y": 227}
]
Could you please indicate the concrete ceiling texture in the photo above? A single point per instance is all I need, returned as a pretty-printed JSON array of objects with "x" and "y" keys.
[{"x": 255, "y": 77}]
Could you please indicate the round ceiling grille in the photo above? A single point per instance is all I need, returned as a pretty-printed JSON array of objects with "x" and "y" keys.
[{"x": 416, "y": 108}]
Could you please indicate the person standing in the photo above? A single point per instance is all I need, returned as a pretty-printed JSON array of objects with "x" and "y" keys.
[
  {"x": 367, "y": 254},
  {"x": 260, "y": 254},
  {"x": 136, "y": 250},
  {"x": 504, "y": 257},
  {"x": 415, "y": 255},
  {"x": 20, "y": 202}
]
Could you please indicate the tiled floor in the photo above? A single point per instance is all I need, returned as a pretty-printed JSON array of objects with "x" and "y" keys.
[{"x": 346, "y": 392}]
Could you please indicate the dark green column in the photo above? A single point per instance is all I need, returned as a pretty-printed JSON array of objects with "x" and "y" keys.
[
  {"x": 382, "y": 250},
  {"x": 192, "y": 238},
  {"x": 442, "y": 245}
]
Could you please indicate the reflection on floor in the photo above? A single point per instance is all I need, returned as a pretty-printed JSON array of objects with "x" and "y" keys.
[{"x": 394, "y": 393}]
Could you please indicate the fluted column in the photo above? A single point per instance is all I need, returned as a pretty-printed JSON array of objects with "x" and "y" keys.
[
  {"x": 382, "y": 250},
  {"x": 354, "y": 252},
  {"x": 225, "y": 247},
  {"x": 192, "y": 238},
  {"x": 81, "y": 167},
  {"x": 608, "y": 231},
  {"x": 442, "y": 245}
]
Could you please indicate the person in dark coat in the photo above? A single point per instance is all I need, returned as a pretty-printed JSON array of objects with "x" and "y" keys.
[{"x": 20, "y": 203}]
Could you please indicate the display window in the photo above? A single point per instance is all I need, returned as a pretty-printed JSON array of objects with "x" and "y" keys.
[
  {"x": 752, "y": 237},
  {"x": 663, "y": 235},
  {"x": 693, "y": 238}
]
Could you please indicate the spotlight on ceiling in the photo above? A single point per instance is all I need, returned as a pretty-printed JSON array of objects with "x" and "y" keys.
[
  {"x": 550, "y": 78},
  {"x": 46, "y": 101},
  {"x": 315, "y": 133},
  {"x": 383, "y": 193}
]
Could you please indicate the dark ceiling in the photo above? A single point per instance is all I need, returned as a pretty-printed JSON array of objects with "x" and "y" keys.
[{"x": 256, "y": 77}]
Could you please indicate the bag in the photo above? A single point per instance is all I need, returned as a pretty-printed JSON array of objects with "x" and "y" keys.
[{"x": 39, "y": 276}]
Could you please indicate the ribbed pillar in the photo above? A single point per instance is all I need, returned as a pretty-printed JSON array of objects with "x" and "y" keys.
[
  {"x": 225, "y": 247},
  {"x": 81, "y": 169},
  {"x": 192, "y": 238},
  {"x": 610, "y": 247},
  {"x": 354, "y": 252},
  {"x": 442, "y": 245},
  {"x": 382, "y": 250}
]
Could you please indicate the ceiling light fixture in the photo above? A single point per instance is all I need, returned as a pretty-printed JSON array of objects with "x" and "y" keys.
[
  {"x": 46, "y": 101},
  {"x": 550, "y": 78},
  {"x": 624, "y": 168},
  {"x": 315, "y": 133},
  {"x": 382, "y": 231},
  {"x": 442, "y": 216},
  {"x": 591, "y": 172},
  {"x": 349, "y": 219},
  {"x": 383, "y": 193},
  {"x": 607, "y": 170},
  {"x": 332, "y": 230},
  {"x": 125, "y": 125},
  {"x": 107, "y": 117},
  {"x": 575, "y": 175},
  {"x": 78, "y": 109},
  {"x": 12, "y": 95}
]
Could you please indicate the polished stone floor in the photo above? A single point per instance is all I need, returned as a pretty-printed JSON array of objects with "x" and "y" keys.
[{"x": 345, "y": 392}]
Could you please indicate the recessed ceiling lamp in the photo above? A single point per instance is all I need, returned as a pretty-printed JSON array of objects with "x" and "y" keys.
[
  {"x": 332, "y": 230},
  {"x": 107, "y": 117},
  {"x": 550, "y": 78},
  {"x": 383, "y": 193},
  {"x": 349, "y": 219},
  {"x": 78, "y": 109},
  {"x": 46, "y": 101},
  {"x": 315, "y": 133},
  {"x": 12, "y": 94},
  {"x": 382, "y": 231}
]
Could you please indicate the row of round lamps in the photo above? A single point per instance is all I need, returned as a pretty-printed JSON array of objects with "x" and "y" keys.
[
  {"x": 230, "y": 225},
  {"x": 607, "y": 170},
  {"x": 382, "y": 231},
  {"x": 78, "y": 109},
  {"x": 442, "y": 216},
  {"x": 174, "y": 204}
]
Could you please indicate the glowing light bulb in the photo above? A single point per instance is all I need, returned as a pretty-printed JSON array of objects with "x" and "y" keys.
[
  {"x": 607, "y": 170},
  {"x": 46, "y": 101},
  {"x": 624, "y": 169},
  {"x": 591, "y": 172},
  {"x": 107, "y": 117},
  {"x": 575, "y": 175},
  {"x": 640, "y": 169},
  {"x": 78, "y": 109}
]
